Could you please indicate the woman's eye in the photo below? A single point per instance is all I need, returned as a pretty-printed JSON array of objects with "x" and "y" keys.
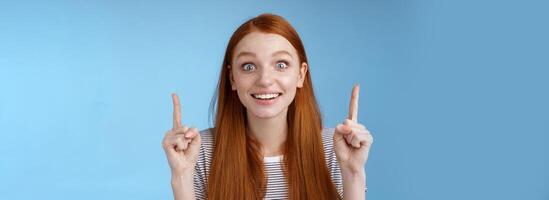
[
  {"x": 248, "y": 67},
  {"x": 281, "y": 65}
]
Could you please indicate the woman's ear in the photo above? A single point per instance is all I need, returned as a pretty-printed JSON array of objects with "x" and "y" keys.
[
  {"x": 302, "y": 74},
  {"x": 231, "y": 78}
]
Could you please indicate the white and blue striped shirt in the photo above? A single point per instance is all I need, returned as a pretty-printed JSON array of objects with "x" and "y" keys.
[{"x": 276, "y": 182}]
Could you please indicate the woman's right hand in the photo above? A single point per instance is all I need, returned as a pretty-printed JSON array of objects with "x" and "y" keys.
[{"x": 181, "y": 144}]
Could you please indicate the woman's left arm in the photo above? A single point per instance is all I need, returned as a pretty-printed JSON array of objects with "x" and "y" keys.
[
  {"x": 352, "y": 142},
  {"x": 354, "y": 185}
]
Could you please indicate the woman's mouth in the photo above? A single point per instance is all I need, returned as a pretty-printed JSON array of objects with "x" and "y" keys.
[{"x": 266, "y": 98}]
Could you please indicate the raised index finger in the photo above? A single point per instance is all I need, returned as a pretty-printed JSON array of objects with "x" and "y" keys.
[
  {"x": 176, "y": 111},
  {"x": 353, "y": 105}
]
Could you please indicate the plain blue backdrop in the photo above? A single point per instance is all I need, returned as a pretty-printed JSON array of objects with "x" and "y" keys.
[{"x": 454, "y": 92}]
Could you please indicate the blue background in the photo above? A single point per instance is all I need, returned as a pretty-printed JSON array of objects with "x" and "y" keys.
[{"x": 454, "y": 92}]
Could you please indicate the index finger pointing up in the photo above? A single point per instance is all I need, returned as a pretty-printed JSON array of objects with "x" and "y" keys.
[
  {"x": 176, "y": 111},
  {"x": 353, "y": 105}
]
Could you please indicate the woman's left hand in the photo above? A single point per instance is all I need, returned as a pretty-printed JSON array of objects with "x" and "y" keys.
[{"x": 352, "y": 141}]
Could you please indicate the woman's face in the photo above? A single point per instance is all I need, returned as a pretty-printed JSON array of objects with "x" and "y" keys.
[{"x": 266, "y": 72}]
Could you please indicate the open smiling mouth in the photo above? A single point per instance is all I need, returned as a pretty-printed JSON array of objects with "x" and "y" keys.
[{"x": 269, "y": 96}]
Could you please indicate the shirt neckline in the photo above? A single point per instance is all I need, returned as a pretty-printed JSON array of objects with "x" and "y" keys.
[{"x": 271, "y": 159}]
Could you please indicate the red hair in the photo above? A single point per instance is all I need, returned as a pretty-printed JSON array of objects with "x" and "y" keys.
[{"x": 237, "y": 170}]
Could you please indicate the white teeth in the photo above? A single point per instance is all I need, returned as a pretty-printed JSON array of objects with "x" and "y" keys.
[{"x": 266, "y": 96}]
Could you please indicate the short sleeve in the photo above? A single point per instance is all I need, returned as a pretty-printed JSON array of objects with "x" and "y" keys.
[
  {"x": 203, "y": 165},
  {"x": 331, "y": 159}
]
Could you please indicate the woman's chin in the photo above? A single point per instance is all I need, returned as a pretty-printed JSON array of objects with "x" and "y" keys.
[{"x": 265, "y": 114}]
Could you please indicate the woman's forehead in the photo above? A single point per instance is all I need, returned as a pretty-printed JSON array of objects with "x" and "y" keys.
[{"x": 263, "y": 44}]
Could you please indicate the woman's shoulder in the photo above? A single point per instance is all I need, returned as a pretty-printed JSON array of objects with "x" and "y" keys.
[
  {"x": 328, "y": 136},
  {"x": 328, "y": 143},
  {"x": 206, "y": 132},
  {"x": 206, "y": 137}
]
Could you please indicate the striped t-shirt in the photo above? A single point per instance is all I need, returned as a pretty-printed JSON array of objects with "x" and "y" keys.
[{"x": 276, "y": 182}]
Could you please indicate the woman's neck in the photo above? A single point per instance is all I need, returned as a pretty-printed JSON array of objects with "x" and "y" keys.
[{"x": 269, "y": 132}]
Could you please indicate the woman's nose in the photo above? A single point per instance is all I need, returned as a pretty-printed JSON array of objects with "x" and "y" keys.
[{"x": 265, "y": 78}]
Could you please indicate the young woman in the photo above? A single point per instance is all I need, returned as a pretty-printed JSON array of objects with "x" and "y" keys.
[{"x": 268, "y": 141}]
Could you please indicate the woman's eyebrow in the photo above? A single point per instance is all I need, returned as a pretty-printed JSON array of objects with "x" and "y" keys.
[
  {"x": 246, "y": 53},
  {"x": 282, "y": 52}
]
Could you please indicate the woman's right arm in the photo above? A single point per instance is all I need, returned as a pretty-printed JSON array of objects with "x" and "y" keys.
[{"x": 182, "y": 146}]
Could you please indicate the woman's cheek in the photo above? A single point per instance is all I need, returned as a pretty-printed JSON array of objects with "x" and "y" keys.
[{"x": 290, "y": 81}]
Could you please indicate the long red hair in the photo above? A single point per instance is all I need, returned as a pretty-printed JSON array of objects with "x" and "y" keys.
[{"x": 237, "y": 170}]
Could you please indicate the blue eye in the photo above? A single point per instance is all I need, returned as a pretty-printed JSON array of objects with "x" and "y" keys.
[
  {"x": 248, "y": 66},
  {"x": 281, "y": 65}
]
